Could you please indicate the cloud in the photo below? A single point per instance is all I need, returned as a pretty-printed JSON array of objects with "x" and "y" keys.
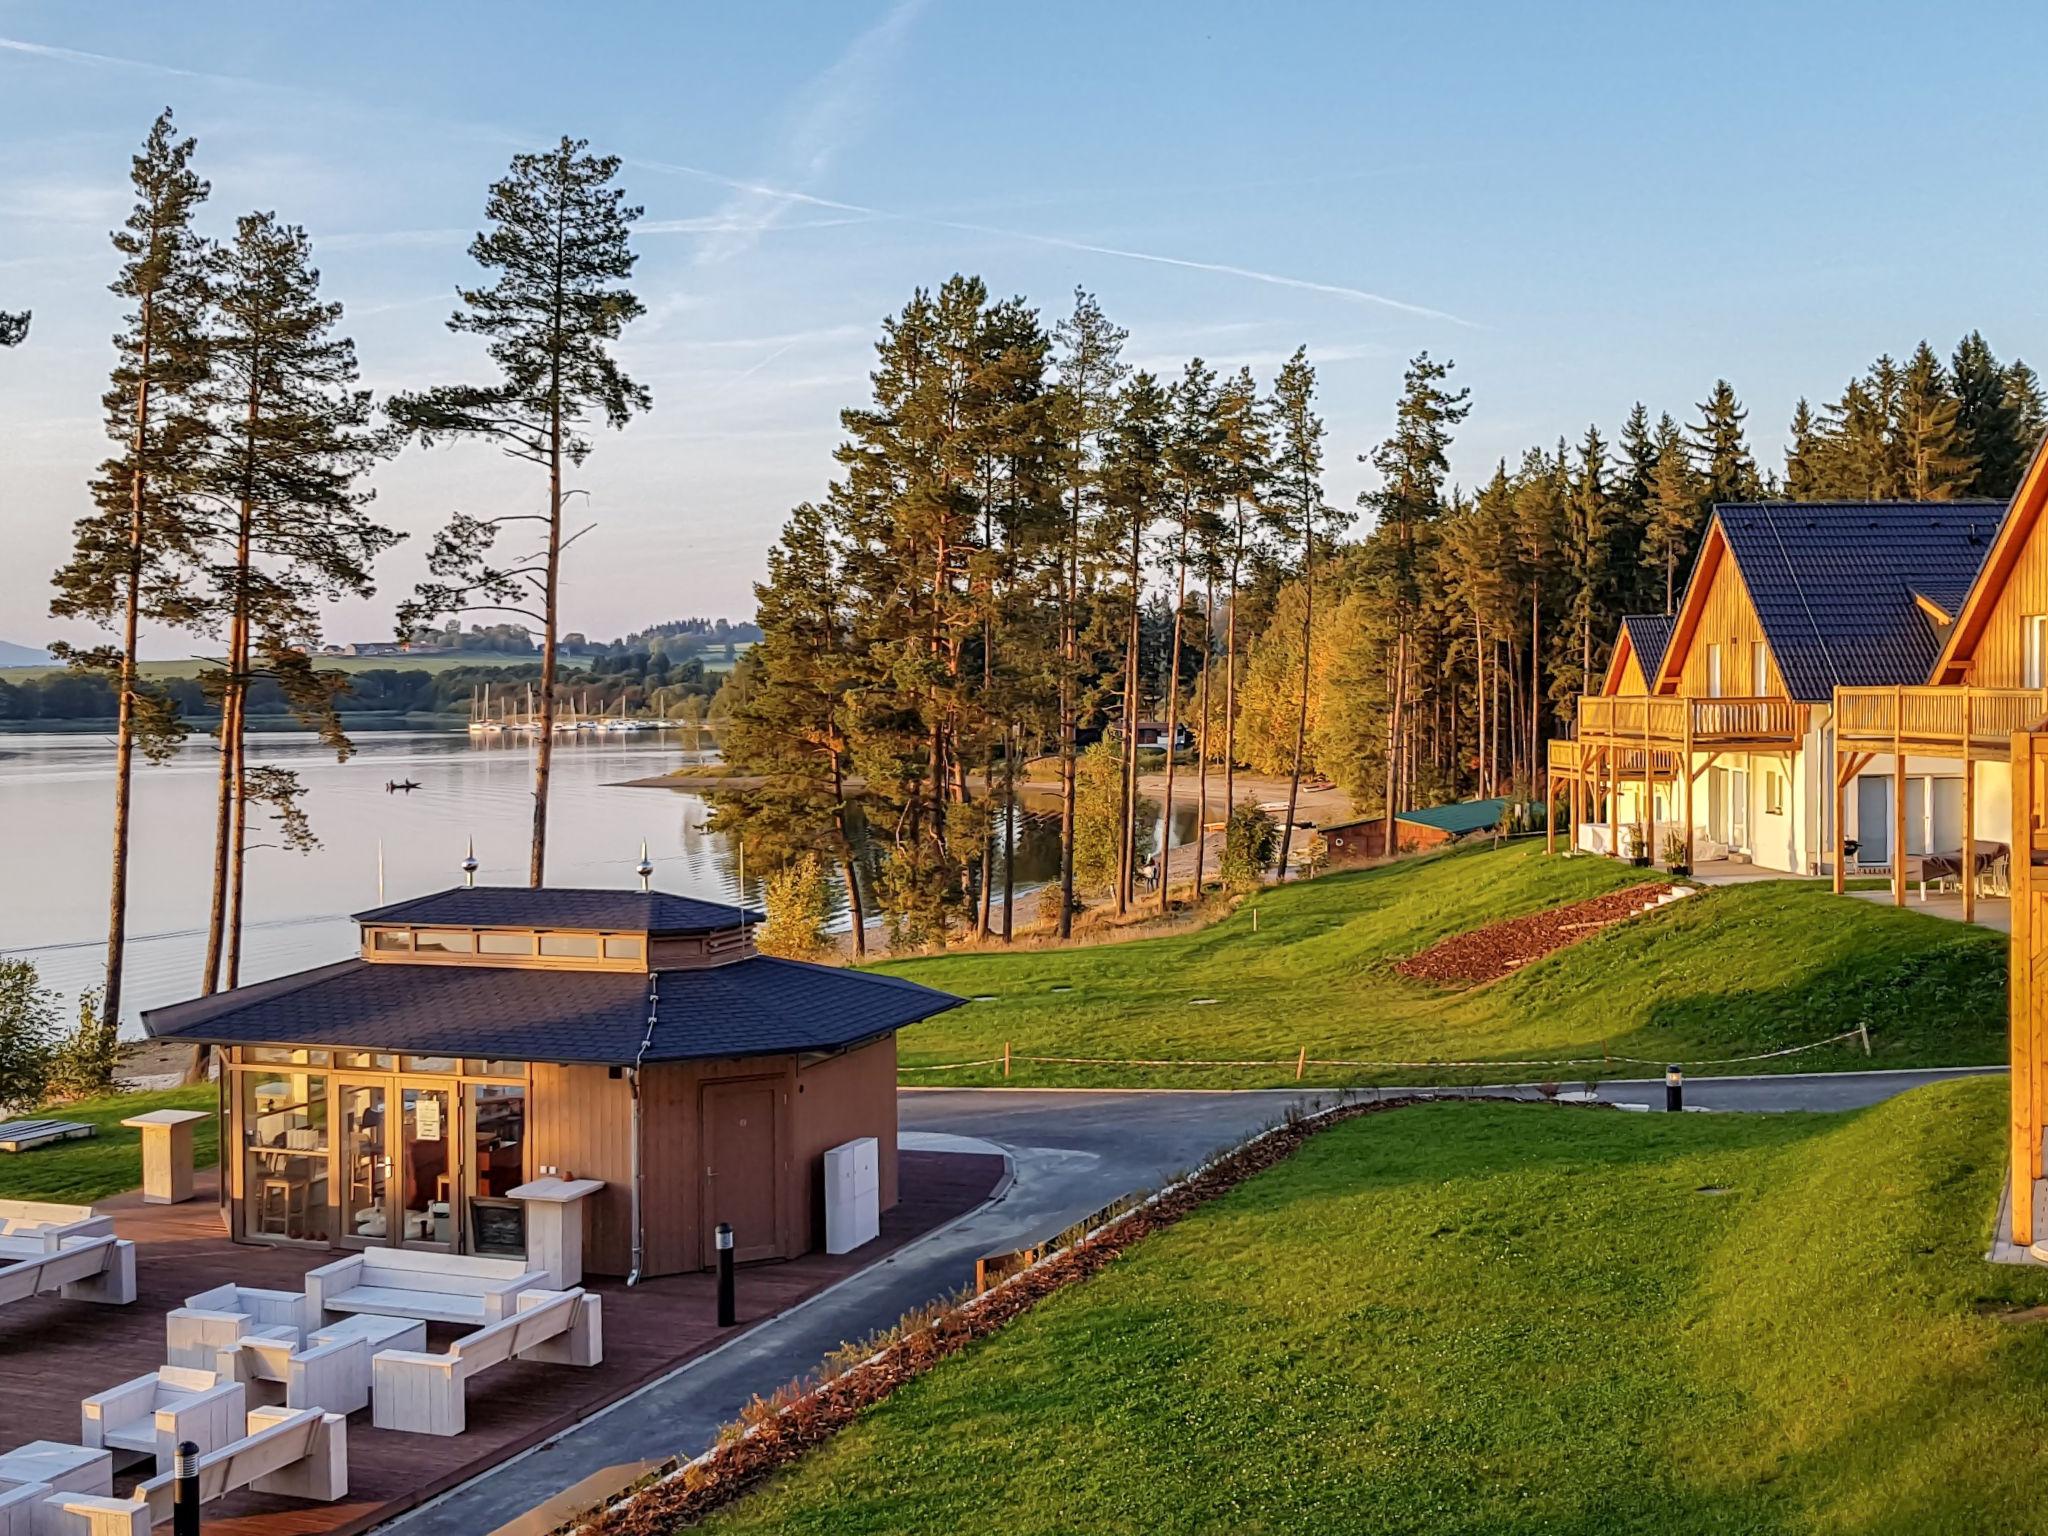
[{"x": 79, "y": 57}]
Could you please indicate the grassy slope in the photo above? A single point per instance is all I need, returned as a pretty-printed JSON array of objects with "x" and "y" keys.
[
  {"x": 83, "y": 1171},
  {"x": 1486, "y": 1319},
  {"x": 1733, "y": 971}
]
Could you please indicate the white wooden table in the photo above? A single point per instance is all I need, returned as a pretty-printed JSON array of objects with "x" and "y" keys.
[
  {"x": 382, "y": 1332},
  {"x": 66, "y": 1468},
  {"x": 166, "y": 1153}
]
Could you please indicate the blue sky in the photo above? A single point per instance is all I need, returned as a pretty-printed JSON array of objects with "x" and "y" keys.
[{"x": 1581, "y": 205}]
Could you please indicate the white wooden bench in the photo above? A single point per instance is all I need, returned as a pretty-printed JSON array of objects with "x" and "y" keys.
[
  {"x": 100, "y": 1269},
  {"x": 150, "y": 1415},
  {"x": 424, "y": 1393},
  {"x": 297, "y": 1452},
  {"x": 439, "y": 1287},
  {"x": 273, "y": 1363},
  {"x": 218, "y": 1319},
  {"x": 30, "y": 1226}
]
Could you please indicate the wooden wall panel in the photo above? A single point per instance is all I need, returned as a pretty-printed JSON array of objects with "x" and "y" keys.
[
  {"x": 1999, "y": 660},
  {"x": 581, "y": 1122},
  {"x": 838, "y": 1099},
  {"x": 1728, "y": 619}
]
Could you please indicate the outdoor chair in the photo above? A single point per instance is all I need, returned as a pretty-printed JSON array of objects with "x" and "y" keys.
[
  {"x": 150, "y": 1415},
  {"x": 217, "y": 1319}
]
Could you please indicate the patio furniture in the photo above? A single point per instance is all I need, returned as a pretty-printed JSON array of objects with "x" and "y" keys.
[
  {"x": 166, "y": 1153},
  {"x": 554, "y": 1226},
  {"x": 272, "y": 1365},
  {"x": 214, "y": 1320},
  {"x": 21, "y": 1507},
  {"x": 22, "y": 1135},
  {"x": 32, "y": 1226},
  {"x": 151, "y": 1414},
  {"x": 66, "y": 1468},
  {"x": 297, "y": 1452},
  {"x": 438, "y": 1287},
  {"x": 379, "y": 1332},
  {"x": 424, "y": 1393},
  {"x": 100, "y": 1269}
]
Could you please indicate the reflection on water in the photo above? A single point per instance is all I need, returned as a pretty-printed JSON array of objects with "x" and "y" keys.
[{"x": 57, "y": 803}]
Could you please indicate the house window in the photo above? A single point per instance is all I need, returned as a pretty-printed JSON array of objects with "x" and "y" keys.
[
  {"x": 569, "y": 945},
  {"x": 504, "y": 943},
  {"x": 1713, "y": 671},
  {"x": 1759, "y": 671},
  {"x": 2034, "y": 664},
  {"x": 1774, "y": 794}
]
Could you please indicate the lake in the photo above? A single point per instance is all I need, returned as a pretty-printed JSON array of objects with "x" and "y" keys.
[{"x": 56, "y": 795}]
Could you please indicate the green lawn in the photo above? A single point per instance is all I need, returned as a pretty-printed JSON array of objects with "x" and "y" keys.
[
  {"x": 1493, "y": 1319},
  {"x": 79, "y": 1172},
  {"x": 1732, "y": 971}
]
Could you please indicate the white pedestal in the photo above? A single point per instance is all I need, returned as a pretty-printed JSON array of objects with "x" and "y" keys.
[
  {"x": 166, "y": 1153},
  {"x": 554, "y": 1226}
]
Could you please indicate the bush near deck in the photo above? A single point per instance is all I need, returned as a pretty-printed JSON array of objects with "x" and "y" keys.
[
  {"x": 1734, "y": 971},
  {"x": 1468, "y": 1319},
  {"x": 80, "y": 1172}
]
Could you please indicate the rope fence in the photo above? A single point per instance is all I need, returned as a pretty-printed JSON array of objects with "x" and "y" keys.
[{"x": 1301, "y": 1061}]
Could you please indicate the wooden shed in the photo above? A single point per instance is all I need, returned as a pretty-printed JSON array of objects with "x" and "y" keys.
[{"x": 484, "y": 1037}]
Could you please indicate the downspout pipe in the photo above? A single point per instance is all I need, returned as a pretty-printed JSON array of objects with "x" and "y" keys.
[{"x": 633, "y": 1078}]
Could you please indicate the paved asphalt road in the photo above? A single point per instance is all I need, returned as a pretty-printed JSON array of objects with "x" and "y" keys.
[{"x": 1071, "y": 1153}]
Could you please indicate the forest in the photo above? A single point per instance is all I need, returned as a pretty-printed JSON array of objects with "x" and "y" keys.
[{"x": 1028, "y": 542}]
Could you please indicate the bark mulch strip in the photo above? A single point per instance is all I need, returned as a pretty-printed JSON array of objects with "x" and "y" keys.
[
  {"x": 779, "y": 1433},
  {"x": 1489, "y": 953}
]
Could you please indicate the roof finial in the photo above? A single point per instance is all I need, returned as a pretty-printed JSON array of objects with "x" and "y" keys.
[
  {"x": 469, "y": 864},
  {"x": 645, "y": 868}
]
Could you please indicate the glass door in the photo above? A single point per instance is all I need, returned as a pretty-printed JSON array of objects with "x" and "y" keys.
[
  {"x": 365, "y": 1164},
  {"x": 427, "y": 1173}
]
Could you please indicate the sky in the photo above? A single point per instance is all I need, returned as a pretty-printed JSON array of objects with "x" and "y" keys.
[{"x": 1582, "y": 206}]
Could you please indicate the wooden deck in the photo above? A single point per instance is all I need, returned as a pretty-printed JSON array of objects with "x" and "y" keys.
[{"x": 53, "y": 1352}]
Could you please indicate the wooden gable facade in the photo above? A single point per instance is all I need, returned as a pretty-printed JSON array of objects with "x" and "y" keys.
[
  {"x": 1624, "y": 670},
  {"x": 1717, "y": 617},
  {"x": 1988, "y": 645}
]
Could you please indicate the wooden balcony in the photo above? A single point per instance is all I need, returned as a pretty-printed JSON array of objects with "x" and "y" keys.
[
  {"x": 1666, "y": 722},
  {"x": 1564, "y": 755},
  {"x": 1936, "y": 722}
]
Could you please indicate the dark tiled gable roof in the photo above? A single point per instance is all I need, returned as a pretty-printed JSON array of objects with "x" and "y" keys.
[
  {"x": 1648, "y": 635},
  {"x": 753, "y": 1007},
  {"x": 519, "y": 906},
  {"x": 1833, "y": 583}
]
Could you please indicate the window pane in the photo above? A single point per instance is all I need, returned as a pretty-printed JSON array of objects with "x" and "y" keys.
[
  {"x": 366, "y": 1061},
  {"x": 430, "y": 1063},
  {"x": 283, "y": 1055},
  {"x": 578, "y": 945},
  {"x": 390, "y": 940},
  {"x": 491, "y": 1067},
  {"x": 629, "y": 948},
  {"x": 444, "y": 942},
  {"x": 498, "y": 1113},
  {"x": 504, "y": 943},
  {"x": 284, "y": 1136}
]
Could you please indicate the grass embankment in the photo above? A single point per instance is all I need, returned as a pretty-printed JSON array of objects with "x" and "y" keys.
[
  {"x": 1733, "y": 971},
  {"x": 79, "y": 1172},
  {"x": 1470, "y": 1318}
]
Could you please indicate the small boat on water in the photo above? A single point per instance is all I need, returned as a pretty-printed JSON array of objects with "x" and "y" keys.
[{"x": 393, "y": 786}]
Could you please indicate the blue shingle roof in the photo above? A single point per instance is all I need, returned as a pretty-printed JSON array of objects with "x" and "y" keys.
[
  {"x": 1649, "y": 634},
  {"x": 753, "y": 1007},
  {"x": 554, "y": 906},
  {"x": 1833, "y": 583}
]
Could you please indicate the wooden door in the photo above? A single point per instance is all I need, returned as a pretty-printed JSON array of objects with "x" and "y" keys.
[{"x": 740, "y": 1172}]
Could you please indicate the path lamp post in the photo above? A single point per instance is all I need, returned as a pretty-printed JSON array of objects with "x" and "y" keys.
[
  {"x": 727, "y": 1313},
  {"x": 1674, "y": 1088},
  {"x": 185, "y": 1490}
]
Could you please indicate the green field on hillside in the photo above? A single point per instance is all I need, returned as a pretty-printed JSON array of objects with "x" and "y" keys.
[
  {"x": 192, "y": 666},
  {"x": 1467, "y": 1320},
  {"x": 79, "y": 1172},
  {"x": 1732, "y": 971}
]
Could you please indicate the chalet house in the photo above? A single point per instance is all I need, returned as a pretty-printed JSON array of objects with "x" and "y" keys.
[
  {"x": 1733, "y": 745},
  {"x": 485, "y": 1037}
]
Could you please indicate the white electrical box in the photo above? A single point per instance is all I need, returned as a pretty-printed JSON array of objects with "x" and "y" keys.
[{"x": 853, "y": 1194}]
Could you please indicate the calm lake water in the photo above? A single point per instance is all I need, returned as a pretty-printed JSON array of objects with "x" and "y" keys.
[{"x": 56, "y": 807}]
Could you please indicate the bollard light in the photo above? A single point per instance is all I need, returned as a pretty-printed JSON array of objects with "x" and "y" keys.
[
  {"x": 728, "y": 1312},
  {"x": 1674, "y": 1088},
  {"x": 185, "y": 1490}
]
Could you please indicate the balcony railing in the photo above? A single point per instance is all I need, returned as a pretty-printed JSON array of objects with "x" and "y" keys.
[
  {"x": 1663, "y": 720},
  {"x": 1936, "y": 721}
]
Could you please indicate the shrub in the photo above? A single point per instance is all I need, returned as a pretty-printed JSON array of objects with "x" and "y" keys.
[
  {"x": 84, "y": 1064},
  {"x": 799, "y": 905},
  {"x": 1250, "y": 839},
  {"x": 28, "y": 1034}
]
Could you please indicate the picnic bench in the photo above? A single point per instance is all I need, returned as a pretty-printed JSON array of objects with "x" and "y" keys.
[
  {"x": 100, "y": 1269},
  {"x": 22, "y": 1135},
  {"x": 297, "y": 1452},
  {"x": 425, "y": 1393},
  {"x": 435, "y": 1287},
  {"x": 150, "y": 1415}
]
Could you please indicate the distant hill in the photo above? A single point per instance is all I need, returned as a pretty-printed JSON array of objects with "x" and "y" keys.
[{"x": 12, "y": 655}]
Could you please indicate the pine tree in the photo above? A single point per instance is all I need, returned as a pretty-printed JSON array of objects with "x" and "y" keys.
[
  {"x": 1804, "y": 466},
  {"x": 560, "y": 250},
  {"x": 1192, "y": 474},
  {"x": 1300, "y": 518},
  {"x": 1134, "y": 496},
  {"x": 286, "y": 526},
  {"x": 1727, "y": 471},
  {"x": 1677, "y": 509},
  {"x": 2030, "y": 414},
  {"x": 1988, "y": 419},
  {"x": 1629, "y": 588},
  {"x": 1588, "y": 513},
  {"x": 1243, "y": 452},
  {"x": 1933, "y": 448},
  {"x": 125, "y": 564}
]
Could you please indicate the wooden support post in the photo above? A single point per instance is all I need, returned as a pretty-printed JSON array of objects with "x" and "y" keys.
[
  {"x": 1613, "y": 805},
  {"x": 2026, "y": 1136},
  {"x": 1838, "y": 778},
  {"x": 1898, "y": 799},
  {"x": 1969, "y": 819},
  {"x": 1006, "y": 1044},
  {"x": 1649, "y": 821},
  {"x": 1301, "y": 1064},
  {"x": 1685, "y": 767},
  {"x": 1549, "y": 808}
]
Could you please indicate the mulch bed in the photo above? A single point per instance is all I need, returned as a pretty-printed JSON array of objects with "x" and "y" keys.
[
  {"x": 775, "y": 1433},
  {"x": 1489, "y": 953}
]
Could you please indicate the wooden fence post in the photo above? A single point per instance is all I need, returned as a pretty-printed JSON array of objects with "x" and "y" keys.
[
  {"x": 1301, "y": 1064},
  {"x": 1006, "y": 1058}
]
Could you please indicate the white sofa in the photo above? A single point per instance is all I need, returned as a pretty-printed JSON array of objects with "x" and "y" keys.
[
  {"x": 150, "y": 1415},
  {"x": 37, "y": 1226},
  {"x": 299, "y": 1453},
  {"x": 438, "y": 1287},
  {"x": 218, "y": 1319},
  {"x": 425, "y": 1393},
  {"x": 100, "y": 1269}
]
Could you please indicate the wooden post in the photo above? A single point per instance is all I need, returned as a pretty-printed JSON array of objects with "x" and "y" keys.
[
  {"x": 1613, "y": 775},
  {"x": 1841, "y": 840},
  {"x": 2026, "y": 1138},
  {"x": 1301, "y": 1064},
  {"x": 1685, "y": 767},
  {"x": 1898, "y": 798},
  {"x": 1649, "y": 823},
  {"x": 1969, "y": 819},
  {"x": 1549, "y": 805},
  {"x": 1006, "y": 1044}
]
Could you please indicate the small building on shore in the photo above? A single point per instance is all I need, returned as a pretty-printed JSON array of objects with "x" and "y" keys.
[
  {"x": 1364, "y": 840},
  {"x": 488, "y": 1036}
]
